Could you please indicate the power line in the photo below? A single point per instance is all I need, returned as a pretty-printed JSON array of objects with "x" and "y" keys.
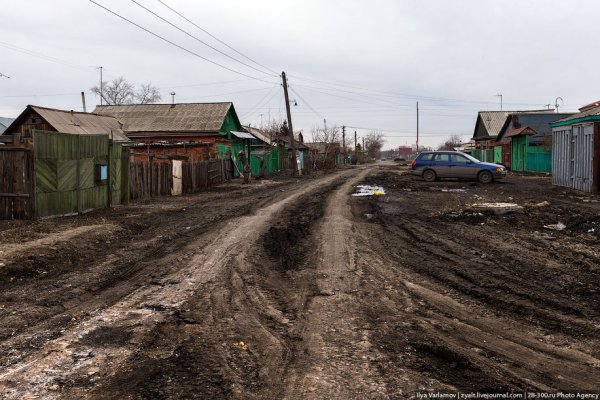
[
  {"x": 216, "y": 38},
  {"x": 402, "y": 95},
  {"x": 204, "y": 84},
  {"x": 43, "y": 56},
  {"x": 41, "y": 95},
  {"x": 225, "y": 94},
  {"x": 262, "y": 101},
  {"x": 307, "y": 104},
  {"x": 199, "y": 40},
  {"x": 176, "y": 45}
]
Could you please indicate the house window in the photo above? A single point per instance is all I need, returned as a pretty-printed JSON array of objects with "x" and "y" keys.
[{"x": 101, "y": 172}]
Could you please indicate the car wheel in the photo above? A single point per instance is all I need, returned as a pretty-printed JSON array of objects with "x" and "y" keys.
[
  {"x": 485, "y": 177},
  {"x": 429, "y": 175}
]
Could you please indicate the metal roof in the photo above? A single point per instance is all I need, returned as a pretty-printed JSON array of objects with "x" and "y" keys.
[
  {"x": 259, "y": 134},
  {"x": 587, "y": 115},
  {"x": 493, "y": 121},
  {"x": 537, "y": 123},
  {"x": 188, "y": 117},
  {"x": 242, "y": 135},
  {"x": 5, "y": 123}
]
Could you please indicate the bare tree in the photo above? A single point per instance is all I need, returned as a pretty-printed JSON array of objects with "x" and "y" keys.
[
  {"x": 120, "y": 91},
  {"x": 373, "y": 143},
  {"x": 330, "y": 134},
  {"x": 272, "y": 129},
  {"x": 451, "y": 143},
  {"x": 147, "y": 94},
  {"x": 329, "y": 138}
]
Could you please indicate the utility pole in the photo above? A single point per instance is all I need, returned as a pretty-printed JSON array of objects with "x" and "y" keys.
[
  {"x": 355, "y": 148},
  {"x": 344, "y": 142},
  {"x": 417, "y": 127},
  {"x": 290, "y": 127},
  {"x": 500, "y": 95},
  {"x": 363, "y": 148}
]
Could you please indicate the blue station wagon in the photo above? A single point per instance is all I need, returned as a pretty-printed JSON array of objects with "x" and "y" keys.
[{"x": 432, "y": 165}]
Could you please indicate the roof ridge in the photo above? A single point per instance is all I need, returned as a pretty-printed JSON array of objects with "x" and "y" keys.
[{"x": 70, "y": 111}]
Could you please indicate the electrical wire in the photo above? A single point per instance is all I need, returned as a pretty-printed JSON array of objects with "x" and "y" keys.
[
  {"x": 362, "y": 90},
  {"x": 261, "y": 102},
  {"x": 216, "y": 38},
  {"x": 307, "y": 104},
  {"x": 43, "y": 56},
  {"x": 200, "y": 40},
  {"x": 229, "y": 93},
  {"x": 175, "y": 44}
]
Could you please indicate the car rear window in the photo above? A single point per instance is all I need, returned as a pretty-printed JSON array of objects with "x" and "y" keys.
[{"x": 427, "y": 156}]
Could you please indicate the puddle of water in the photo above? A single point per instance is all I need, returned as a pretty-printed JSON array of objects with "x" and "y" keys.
[{"x": 369, "y": 190}]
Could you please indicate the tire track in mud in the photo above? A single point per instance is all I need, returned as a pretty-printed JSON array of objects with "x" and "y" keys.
[
  {"x": 69, "y": 369},
  {"x": 335, "y": 353},
  {"x": 466, "y": 324}
]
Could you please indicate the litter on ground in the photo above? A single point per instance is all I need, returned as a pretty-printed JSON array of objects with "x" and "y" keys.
[
  {"x": 369, "y": 190},
  {"x": 556, "y": 227},
  {"x": 497, "y": 208}
]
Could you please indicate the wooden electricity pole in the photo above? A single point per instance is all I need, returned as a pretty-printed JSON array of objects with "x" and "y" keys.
[
  {"x": 290, "y": 127},
  {"x": 344, "y": 142},
  {"x": 355, "y": 148},
  {"x": 417, "y": 127}
]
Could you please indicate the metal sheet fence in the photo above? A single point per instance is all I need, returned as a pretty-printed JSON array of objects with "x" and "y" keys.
[{"x": 572, "y": 160}]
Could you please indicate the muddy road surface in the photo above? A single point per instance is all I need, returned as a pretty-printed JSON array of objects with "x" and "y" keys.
[{"x": 295, "y": 289}]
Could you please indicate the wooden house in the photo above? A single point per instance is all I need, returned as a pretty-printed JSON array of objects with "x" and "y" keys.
[
  {"x": 210, "y": 123},
  {"x": 526, "y": 141},
  {"x": 35, "y": 118}
]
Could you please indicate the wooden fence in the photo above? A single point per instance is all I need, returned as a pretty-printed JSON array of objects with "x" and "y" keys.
[
  {"x": 156, "y": 179},
  {"x": 17, "y": 195}
]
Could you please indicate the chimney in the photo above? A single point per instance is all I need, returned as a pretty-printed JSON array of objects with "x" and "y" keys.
[{"x": 83, "y": 101}]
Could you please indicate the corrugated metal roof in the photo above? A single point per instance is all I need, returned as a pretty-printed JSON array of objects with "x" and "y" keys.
[
  {"x": 189, "y": 117},
  {"x": 242, "y": 135},
  {"x": 539, "y": 123},
  {"x": 80, "y": 123},
  {"x": 259, "y": 134},
  {"x": 5, "y": 123},
  {"x": 493, "y": 121},
  {"x": 589, "y": 113}
]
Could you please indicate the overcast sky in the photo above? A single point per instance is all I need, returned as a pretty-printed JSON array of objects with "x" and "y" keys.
[{"x": 353, "y": 62}]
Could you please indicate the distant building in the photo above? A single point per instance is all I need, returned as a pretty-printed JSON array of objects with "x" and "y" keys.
[{"x": 404, "y": 151}]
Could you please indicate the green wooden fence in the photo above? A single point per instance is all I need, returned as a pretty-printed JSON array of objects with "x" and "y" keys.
[
  {"x": 538, "y": 160},
  {"x": 76, "y": 173}
]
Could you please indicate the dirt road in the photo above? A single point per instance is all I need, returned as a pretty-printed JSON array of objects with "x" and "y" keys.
[{"x": 295, "y": 289}]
